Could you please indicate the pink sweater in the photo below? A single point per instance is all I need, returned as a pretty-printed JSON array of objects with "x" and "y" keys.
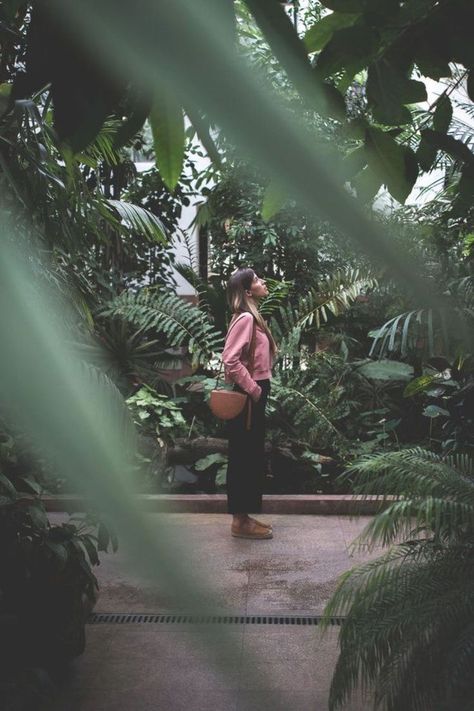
[{"x": 236, "y": 352}]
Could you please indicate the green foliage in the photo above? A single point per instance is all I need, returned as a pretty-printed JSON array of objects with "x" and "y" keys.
[
  {"x": 280, "y": 241},
  {"x": 46, "y": 577},
  {"x": 167, "y": 124},
  {"x": 128, "y": 356},
  {"x": 273, "y": 200},
  {"x": 468, "y": 242},
  {"x": 429, "y": 332},
  {"x": 331, "y": 297},
  {"x": 96, "y": 241},
  {"x": 278, "y": 292},
  {"x": 181, "y": 323},
  {"x": 384, "y": 47},
  {"x": 390, "y": 163},
  {"x": 320, "y": 33},
  {"x": 215, "y": 461},
  {"x": 306, "y": 409},
  {"x": 140, "y": 220},
  {"x": 25, "y": 464},
  {"x": 408, "y": 634},
  {"x": 446, "y": 394},
  {"x": 156, "y": 413},
  {"x": 82, "y": 105},
  {"x": 150, "y": 192},
  {"x": 385, "y": 370},
  {"x": 316, "y": 402},
  {"x": 118, "y": 410}
]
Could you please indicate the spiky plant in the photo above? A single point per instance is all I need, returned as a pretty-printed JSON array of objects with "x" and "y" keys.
[
  {"x": 127, "y": 355},
  {"x": 165, "y": 313},
  {"x": 431, "y": 331},
  {"x": 409, "y": 632}
]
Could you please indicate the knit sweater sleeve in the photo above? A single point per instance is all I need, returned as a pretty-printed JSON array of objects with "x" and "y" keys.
[{"x": 237, "y": 344}]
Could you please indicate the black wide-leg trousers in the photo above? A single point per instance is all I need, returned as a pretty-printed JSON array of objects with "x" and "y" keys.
[{"x": 245, "y": 470}]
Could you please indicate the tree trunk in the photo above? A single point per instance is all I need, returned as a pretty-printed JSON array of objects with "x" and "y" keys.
[{"x": 187, "y": 451}]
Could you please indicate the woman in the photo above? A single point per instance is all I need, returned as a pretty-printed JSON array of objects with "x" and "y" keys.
[{"x": 245, "y": 471}]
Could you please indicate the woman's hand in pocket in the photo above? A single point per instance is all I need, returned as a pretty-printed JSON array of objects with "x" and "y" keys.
[{"x": 257, "y": 394}]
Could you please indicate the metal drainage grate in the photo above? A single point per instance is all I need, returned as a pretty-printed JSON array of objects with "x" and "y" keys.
[{"x": 120, "y": 618}]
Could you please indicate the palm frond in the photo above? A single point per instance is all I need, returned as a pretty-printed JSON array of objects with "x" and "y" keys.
[
  {"x": 428, "y": 330},
  {"x": 138, "y": 219},
  {"x": 102, "y": 148},
  {"x": 435, "y": 495},
  {"x": 401, "y": 611},
  {"x": 413, "y": 330},
  {"x": 464, "y": 290},
  {"x": 128, "y": 355}
]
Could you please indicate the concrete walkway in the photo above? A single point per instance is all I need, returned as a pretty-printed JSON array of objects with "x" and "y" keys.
[{"x": 248, "y": 667}]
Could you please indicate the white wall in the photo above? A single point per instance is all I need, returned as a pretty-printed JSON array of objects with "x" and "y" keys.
[{"x": 188, "y": 213}]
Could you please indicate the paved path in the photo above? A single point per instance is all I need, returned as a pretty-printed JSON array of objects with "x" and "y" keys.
[{"x": 177, "y": 667}]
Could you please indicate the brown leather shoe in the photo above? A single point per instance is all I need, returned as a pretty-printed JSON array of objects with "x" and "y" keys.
[
  {"x": 251, "y": 529},
  {"x": 262, "y": 523}
]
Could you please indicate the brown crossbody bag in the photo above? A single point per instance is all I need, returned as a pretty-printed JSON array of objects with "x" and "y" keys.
[{"x": 227, "y": 404}]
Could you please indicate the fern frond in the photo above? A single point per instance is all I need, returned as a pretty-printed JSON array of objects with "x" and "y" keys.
[
  {"x": 413, "y": 472},
  {"x": 180, "y": 323},
  {"x": 333, "y": 295},
  {"x": 459, "y": 664},
  {"x": 303, "y": 407},
  {"x": 278, "y": 292}
]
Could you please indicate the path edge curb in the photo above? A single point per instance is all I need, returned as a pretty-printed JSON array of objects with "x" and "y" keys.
[{"x": 315, "y": 504}]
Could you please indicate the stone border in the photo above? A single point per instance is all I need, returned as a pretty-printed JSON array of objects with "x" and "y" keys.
[{"x": 318, "y": 504}]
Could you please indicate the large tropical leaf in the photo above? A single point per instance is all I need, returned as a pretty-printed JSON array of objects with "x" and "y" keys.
[
  {"x": 167, "y": 125},
  {"x": 273, "y": 200}
]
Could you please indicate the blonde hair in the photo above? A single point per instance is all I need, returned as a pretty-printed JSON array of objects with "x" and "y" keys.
[{"x": 239, "y": 302}]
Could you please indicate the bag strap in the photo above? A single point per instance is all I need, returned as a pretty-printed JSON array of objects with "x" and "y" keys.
[
  {"x": 253, "y": 342},
  {"x": 248, "y": 419}
]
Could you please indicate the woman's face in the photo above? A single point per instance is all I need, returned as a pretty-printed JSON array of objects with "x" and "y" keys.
[{"x": 258, "y": 288}]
